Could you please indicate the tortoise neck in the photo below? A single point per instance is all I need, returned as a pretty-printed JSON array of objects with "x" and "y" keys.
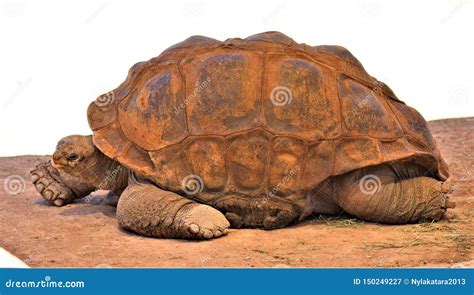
[{"x": 108, "y": 174}]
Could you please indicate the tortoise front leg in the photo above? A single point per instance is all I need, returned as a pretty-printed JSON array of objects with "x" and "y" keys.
[
  {"x": 58, "y": 188},
  {"x": 151, "y": 211}
]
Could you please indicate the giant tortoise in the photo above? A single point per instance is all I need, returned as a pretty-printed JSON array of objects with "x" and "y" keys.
[{"x": 259, "y": 132}]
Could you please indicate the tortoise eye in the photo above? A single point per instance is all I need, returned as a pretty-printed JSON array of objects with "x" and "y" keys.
[{"x": 72, "y": 157}]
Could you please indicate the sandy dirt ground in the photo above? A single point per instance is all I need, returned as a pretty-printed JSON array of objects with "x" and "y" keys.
[{"x": 85, "y": 233}]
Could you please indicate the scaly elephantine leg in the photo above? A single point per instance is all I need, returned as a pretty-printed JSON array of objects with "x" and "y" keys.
[
  {"x": 151, "y": 211},
  {"x": 393, "y": 194},
  {"x": 321, "y": 201}
]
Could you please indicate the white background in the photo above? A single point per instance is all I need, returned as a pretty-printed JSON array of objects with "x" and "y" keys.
[{"x": 58, "y": 56}]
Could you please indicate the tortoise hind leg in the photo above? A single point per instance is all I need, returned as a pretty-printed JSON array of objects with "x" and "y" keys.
[
  {"x": 321, "y": 200},
  {"x": 392, "y": 194},
  {"x": 151, "y": 211}
]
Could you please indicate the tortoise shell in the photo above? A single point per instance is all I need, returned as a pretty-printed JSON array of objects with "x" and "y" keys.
[{"x": 256, "y": 116}]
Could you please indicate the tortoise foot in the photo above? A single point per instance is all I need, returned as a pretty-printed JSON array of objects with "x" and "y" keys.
[
  {"x": 202, "y": 222},
  {"x": 48, "y": 183},
  {"x": 151, "y": 211}
]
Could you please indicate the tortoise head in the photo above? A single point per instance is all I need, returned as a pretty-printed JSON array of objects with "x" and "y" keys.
[{"x": 75, "y": 154}]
